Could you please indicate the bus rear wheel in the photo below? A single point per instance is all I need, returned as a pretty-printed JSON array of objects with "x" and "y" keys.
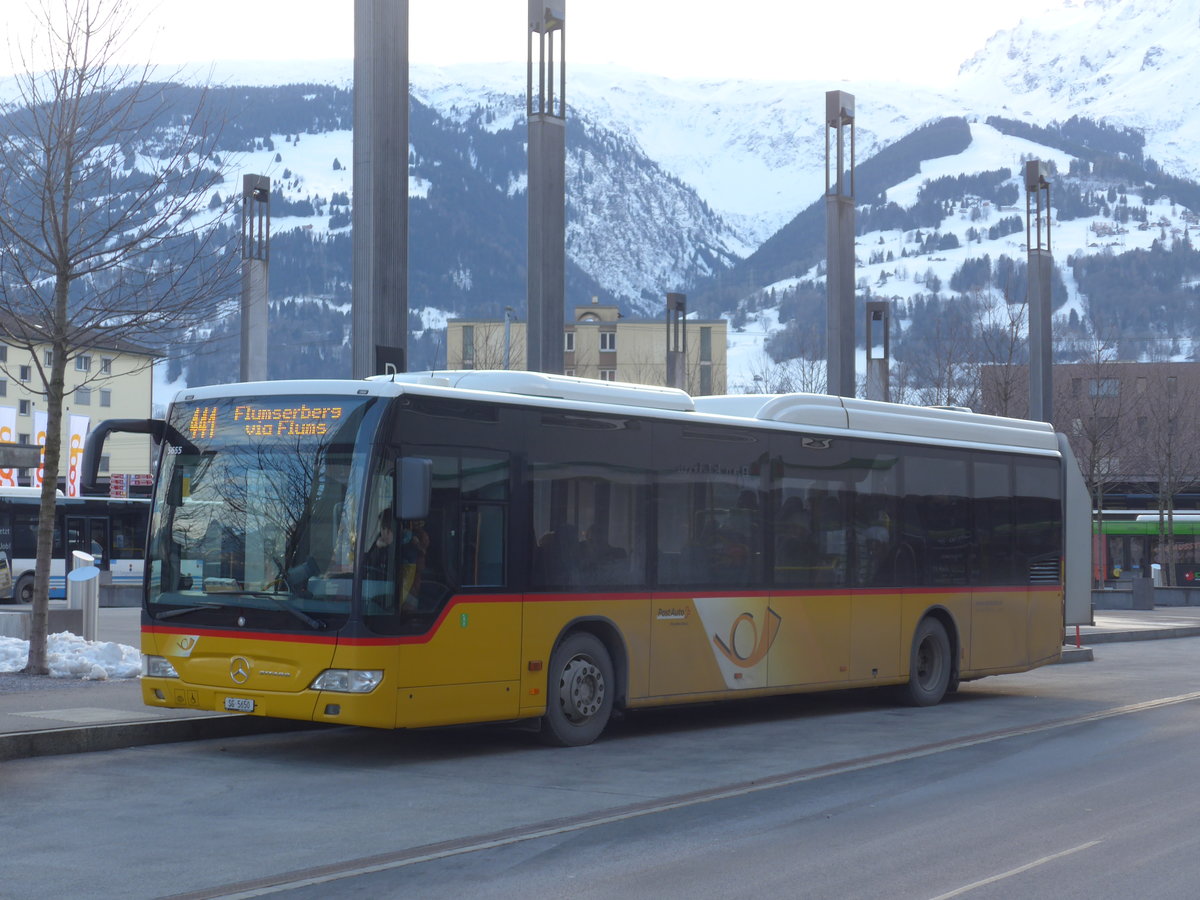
[
  {"x": 23, "y": 592},
  {"x": 579, "y": 698},
  {"x": 930, "y": 666}
]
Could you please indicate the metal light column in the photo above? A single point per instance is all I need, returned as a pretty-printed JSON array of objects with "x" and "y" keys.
[
  {"x": 1041, "y": 265},
  {"x": 256, "y": 260},
  {"x": 677, "y": 341},
  {"x": 379, "y": 321},
  {"x": 547, "y": 117},
  {"x": 508, "y": 314},
  {"x": 879, "y": 315},
  {"x": 839, "y": 244}
]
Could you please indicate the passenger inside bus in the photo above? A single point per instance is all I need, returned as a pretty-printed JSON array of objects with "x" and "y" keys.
[
  {"x": 557, "y": 559},
  {"x": 377, "y": 560}
]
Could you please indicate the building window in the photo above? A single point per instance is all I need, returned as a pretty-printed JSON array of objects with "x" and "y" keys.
[
  {"x": 608, "y": 374},
  {"x": 608, "y": 340},
  {"x": 48, "y": 358},
  {"x": 570, "y": 372},
  {"x": 706, "y": 386},
  {"x": 106, "y": 365},
  {"x": 706, "y": 344},
  {"x": 105, "y": 397},
  {"x": 3, "y": 353},
  {"x": 22, "y": 438},
  {"x": 26, "y": 373},
  {"x": 3, "y": 387},
  {"x": 83, "y": 363},
  {"x": 569, "y": 342},
  {"x": 23, "y": 407},
  {"x": 1172, "y": 386},
  {"x": 83, "y": 396},
  {"x": 1104, "y": 387}
]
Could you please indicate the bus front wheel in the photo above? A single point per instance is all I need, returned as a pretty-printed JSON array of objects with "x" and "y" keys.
[
  {"x": 579, "y": 692},
  {"x": 930, "y": 666}
]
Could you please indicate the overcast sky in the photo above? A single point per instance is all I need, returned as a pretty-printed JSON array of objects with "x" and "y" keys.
[{"x": 921, "y": 41}]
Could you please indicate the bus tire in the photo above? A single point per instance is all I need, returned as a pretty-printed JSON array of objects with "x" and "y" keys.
[
  {"x": 23, "y": 591},
  {"x": 930, "y": 665},
  {"x": 580, "y": 689}
]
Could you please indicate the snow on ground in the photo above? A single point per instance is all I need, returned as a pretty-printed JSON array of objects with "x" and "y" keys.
[{"x": 70, "y": 656}]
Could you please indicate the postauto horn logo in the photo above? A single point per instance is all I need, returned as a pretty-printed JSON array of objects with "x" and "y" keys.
[{"x": 740, "y": 639}]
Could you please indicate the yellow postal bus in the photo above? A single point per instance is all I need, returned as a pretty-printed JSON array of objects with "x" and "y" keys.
[{"x": 439, "y": 548}]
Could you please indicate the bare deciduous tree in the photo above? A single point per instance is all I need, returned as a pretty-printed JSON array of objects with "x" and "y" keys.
[
  {"x": 1167, "y": 420},
  {"x": 1002, "y": 330},
  {"x": 1089, "y": 407},
  {"x": 104, "y": 232}
]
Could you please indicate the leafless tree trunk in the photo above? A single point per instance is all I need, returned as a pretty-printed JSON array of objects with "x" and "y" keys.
[{"x": 102, "y": 239}]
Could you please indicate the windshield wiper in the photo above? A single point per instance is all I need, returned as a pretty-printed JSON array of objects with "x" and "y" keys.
[
  {"x": 184, "y": 610},
  {"x": 314, "y": 624}
]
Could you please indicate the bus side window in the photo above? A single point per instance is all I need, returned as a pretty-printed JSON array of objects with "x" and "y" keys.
[{"x": 461, "y": 544}]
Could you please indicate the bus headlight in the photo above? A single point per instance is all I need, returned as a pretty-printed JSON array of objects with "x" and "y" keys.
[
  {"x": 348, "y": 681},
  {"x": 157, "y": 667}
]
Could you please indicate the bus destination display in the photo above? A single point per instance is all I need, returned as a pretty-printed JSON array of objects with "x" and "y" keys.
[{"x": 264, "y": 419}]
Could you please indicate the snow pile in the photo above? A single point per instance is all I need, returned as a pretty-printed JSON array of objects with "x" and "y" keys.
[{"x": 70, "y": 656}]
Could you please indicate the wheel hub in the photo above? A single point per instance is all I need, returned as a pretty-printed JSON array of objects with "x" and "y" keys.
[{"x": 581, "y": 689}]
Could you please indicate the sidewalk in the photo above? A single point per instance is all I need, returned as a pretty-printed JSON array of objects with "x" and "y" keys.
[
  {"x": 42, "y": 716},
  {"x": 46, "y": 716}
]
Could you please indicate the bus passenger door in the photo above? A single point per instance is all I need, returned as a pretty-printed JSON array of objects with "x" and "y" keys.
[
  {"x": 89, "y": 534},
  {"x": 457, "y": 585}
]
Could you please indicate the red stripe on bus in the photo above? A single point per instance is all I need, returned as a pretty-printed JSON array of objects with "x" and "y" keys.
[{"x": 465, "y": 599}]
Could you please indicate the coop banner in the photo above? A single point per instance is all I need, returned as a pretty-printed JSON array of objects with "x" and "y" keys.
[
  {"x": 8, "y": 434},
  {"x": 39, "y": 438},
  {"x": 79, "y": 429}
]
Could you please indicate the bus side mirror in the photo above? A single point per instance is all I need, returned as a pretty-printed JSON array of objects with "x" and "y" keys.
[{"x": 414, "y": 485}]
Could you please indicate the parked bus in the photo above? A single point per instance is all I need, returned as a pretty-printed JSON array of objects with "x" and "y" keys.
[
  {"x": 1129, "y": 540},
  {"x": 430, "y": 549},
  {"x": 113, "y": 531}
]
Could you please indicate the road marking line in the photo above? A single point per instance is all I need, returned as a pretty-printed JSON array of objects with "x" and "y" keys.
[
  {"x": 1017, "y": 871},
  {"x": 286, "y": 881}
]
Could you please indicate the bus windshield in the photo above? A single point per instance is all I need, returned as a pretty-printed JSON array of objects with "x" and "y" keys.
[{"x": 258, "y": 509}]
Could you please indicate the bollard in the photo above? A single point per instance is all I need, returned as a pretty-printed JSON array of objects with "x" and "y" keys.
[{"x": 83, "y": 591}]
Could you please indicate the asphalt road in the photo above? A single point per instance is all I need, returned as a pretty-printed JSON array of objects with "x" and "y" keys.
[{"x": 1069, "y": 781}]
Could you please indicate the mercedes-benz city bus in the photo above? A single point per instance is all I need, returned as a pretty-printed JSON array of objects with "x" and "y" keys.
[{"x": 429, "y": 549}]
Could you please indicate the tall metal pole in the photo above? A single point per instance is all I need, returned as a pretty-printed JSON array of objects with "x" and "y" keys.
[
  {"x": 677, "y": 341},
  {"x": 547, "y": 116},
  {"x": 508, "y": 314},
  {"x": 379, "y": 321},
  {"x": 839, "y": 243},
  {"x": 1041, "y": 265},
  {"x": 879, "y": 351},
  {"x": 256, "y": 261}
]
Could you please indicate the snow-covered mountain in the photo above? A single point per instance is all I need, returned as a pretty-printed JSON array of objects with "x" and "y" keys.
[
  {"x": 1132, "y": 62},
  {"x": 715, "y": 187}
]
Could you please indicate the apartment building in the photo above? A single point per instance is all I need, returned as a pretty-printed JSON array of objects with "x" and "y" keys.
[
  {"x": 599, "y": 342},
  {"x": 109, "y": 380}
]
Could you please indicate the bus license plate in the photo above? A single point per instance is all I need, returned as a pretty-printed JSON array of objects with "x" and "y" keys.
[{"x": 239, "y": 704}]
